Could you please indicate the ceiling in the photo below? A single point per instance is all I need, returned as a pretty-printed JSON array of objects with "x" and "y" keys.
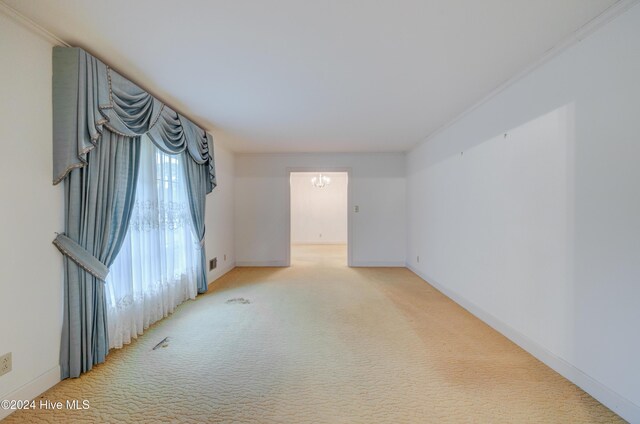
[{"x": 316, "y": 76}]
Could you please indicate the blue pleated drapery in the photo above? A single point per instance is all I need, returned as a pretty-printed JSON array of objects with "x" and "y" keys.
[
  {"x": 196, "y": 190},
  {"x": 98, "y": 118},
  {"x": 99, "y": 200}
]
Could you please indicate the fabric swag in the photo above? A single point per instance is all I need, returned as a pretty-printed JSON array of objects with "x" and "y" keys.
[{"x": 98, "y": 119}]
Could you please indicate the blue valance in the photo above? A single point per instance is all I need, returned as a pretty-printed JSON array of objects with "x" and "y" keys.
[{"x": 89, "y": 96}]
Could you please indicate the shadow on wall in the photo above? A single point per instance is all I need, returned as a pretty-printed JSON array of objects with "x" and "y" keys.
[
  {"x": 452, "y": 141},
  {"x": 544, "y": 219},
  {"x": 504, "y": 208}
]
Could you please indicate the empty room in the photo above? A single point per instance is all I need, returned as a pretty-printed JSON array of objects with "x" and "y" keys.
[{"x": 281, "y": 211}]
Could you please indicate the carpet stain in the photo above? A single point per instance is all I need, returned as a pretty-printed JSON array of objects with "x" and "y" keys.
[
  {"x": 163, "y": 343},
  {"x": 240, "y": 300}
]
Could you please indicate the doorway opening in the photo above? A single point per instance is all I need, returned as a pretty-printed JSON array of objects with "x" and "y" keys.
[{"x": 319, "y": 218}]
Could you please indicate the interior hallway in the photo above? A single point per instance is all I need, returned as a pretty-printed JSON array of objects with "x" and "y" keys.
[
  {"x": 321, "y": 343},
  {"x": 319, "y": 256}
]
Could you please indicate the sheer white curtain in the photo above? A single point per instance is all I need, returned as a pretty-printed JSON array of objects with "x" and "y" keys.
[{"x": 156, "y": 269}]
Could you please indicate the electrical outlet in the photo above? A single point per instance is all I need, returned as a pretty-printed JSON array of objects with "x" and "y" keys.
[
  {"x": 5, "y": 363},
  {"x": 213, "y": 263},
  {"x": 417, "y": 258},
  {"x": 225, "y": 256}
]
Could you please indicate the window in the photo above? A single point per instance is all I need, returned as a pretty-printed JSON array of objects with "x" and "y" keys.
[{"x": 156, "y": 268}]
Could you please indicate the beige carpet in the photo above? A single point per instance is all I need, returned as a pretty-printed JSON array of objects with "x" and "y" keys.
[{"x": 321, "y": 343}]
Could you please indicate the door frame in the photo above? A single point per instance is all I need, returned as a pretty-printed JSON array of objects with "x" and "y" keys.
[{"x": 319, "y": 169}]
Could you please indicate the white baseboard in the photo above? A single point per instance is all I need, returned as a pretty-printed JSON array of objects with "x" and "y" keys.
[
  {"x": 32, "y": 389},
  {"x": 322, "y": 243},
  {"x": 377, "y": 264},
  {"x": 262, "y": 263},
  {"x": 611, "y": 399},
  {"x": 356, "y": 264}
]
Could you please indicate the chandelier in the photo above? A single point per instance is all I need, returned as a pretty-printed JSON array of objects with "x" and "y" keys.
[{"x": 320, "y": 181}]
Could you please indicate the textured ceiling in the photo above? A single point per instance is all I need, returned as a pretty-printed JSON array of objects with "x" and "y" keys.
[{"x": 312, "y": 76}]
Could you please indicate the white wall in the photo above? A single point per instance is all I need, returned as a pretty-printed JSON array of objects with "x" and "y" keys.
[
  {"x": 219, "y": 219},
  {"x": 538, "y": 231},
  {"x": 31, "y": 298},
  {"x": 377, "y": 185},
  {"x": 318, "y": 215},
  {"x": 31, "y": 212}
]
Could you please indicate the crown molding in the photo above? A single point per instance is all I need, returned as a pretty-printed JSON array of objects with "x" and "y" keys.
[
  {"x": 575, "y": 37},
  {"x": 30, "y": 25}
]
